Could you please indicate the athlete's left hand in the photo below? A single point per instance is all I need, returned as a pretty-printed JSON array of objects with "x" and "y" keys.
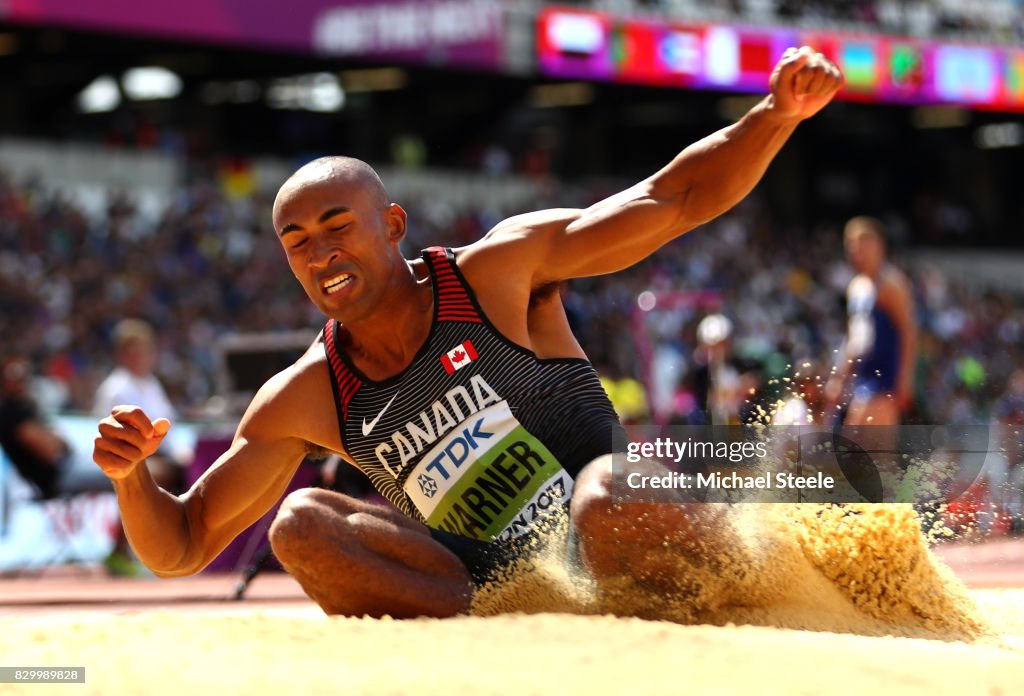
[{"x": 803, "y": 82}]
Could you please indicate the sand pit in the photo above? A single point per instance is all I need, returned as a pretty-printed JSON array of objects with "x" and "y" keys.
[
  {"x": 165, "y": 653},
  {"x": 853, "y": 601}
]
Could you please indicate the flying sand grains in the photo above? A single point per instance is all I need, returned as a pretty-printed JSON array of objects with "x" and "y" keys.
[
  {"x": 878, "y": 557},
  {"x": 541, "y": 581},
  {"x": 863, "y": 569},
  {"x": 843, "y": 568}
]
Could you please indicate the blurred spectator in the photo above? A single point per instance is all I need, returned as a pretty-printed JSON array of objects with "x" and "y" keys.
[
  {"x": 626, "y": 393},
  {"x": 720, "y": 381},
  {"x": 991, "y": 20},
  {"x": 133, "y": 383},
  {"x": 40, "y": 454}
]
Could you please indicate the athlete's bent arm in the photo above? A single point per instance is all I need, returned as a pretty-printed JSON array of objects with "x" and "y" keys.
[
  {"x": 703, "y": 181},
  {"x": 179, "y": 536}
]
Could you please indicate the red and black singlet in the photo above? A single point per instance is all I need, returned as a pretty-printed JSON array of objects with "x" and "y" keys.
[{"x": 477, "y": 436}]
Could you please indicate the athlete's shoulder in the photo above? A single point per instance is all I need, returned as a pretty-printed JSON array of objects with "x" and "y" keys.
[
  {"x": 295, "y": 400},
  {"x": 516, "y": 243},
  {"x": 861, "y": 286},
  {"x": 892, "y": 279},
  {"x": 895, "y": 293}
]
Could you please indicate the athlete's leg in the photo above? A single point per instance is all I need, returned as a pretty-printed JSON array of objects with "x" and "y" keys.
[
  {"x": 354, "y": 558},
  {"x": 873, "y": 409},
  {"x": 642, "y": 540},
  {"x": 876, "y": 417}
]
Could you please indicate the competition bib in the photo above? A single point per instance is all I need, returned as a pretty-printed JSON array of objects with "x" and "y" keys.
[{"x": 488, "y": 479}]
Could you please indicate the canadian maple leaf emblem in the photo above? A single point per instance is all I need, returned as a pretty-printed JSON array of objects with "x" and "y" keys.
[{"x": 459, "y": 356}]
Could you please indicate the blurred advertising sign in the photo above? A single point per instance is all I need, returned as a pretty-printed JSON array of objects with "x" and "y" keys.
[
  {"x": 1014, "y": 80},
  {"x": 469, "y": 31},
  {"x": 592, "y": 45},
  {"x": 576, "y": 44},
  {"x": 448, "y": 32},
  {"x": 966, "y": 73},
  {"x": 581, "y": 44},
  {"x": 860, "y": 64},
  {"x": 907, "y": 71}
]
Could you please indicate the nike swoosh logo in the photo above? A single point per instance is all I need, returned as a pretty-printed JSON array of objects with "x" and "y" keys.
[{"x": 368, "y": 427}]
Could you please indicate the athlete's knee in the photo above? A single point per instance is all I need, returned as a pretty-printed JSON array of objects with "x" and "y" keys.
[
  {"x": 591, "y": 491},
  {"x": 596, "y": 509},
  {"x": 615, "y": 524},
  {"x": 601, "y": 490}
]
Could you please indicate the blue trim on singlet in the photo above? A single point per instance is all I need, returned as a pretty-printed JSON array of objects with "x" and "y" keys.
[{"x": 877, "y": 371}]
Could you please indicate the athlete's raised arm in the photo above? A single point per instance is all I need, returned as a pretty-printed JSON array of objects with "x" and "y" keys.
[
  {"x": 176, "y": 536},
  {"x": 702, "y": 182}
]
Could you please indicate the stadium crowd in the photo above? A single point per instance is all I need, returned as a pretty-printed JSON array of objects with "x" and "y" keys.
[
  {"x": 987, "y": 20},
  {"x": 209, "y": 265}
]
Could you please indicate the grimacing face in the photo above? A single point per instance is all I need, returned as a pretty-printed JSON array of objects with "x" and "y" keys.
[{"x": 341, "y": 243}]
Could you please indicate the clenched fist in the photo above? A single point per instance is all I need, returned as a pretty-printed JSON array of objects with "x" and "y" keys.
[
  {"x": 127, "y": 437},
  {"x": 803, "y": 82}
]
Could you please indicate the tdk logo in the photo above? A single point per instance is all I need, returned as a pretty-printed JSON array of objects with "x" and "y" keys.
[
  {"x": 427, "y": 485},
  {"x": 459, "y": 449}
]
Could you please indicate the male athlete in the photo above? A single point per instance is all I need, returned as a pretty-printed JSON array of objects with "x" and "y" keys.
[
  {"x": 876, "y": 361},
  {"x": 453, "y": 381}
]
